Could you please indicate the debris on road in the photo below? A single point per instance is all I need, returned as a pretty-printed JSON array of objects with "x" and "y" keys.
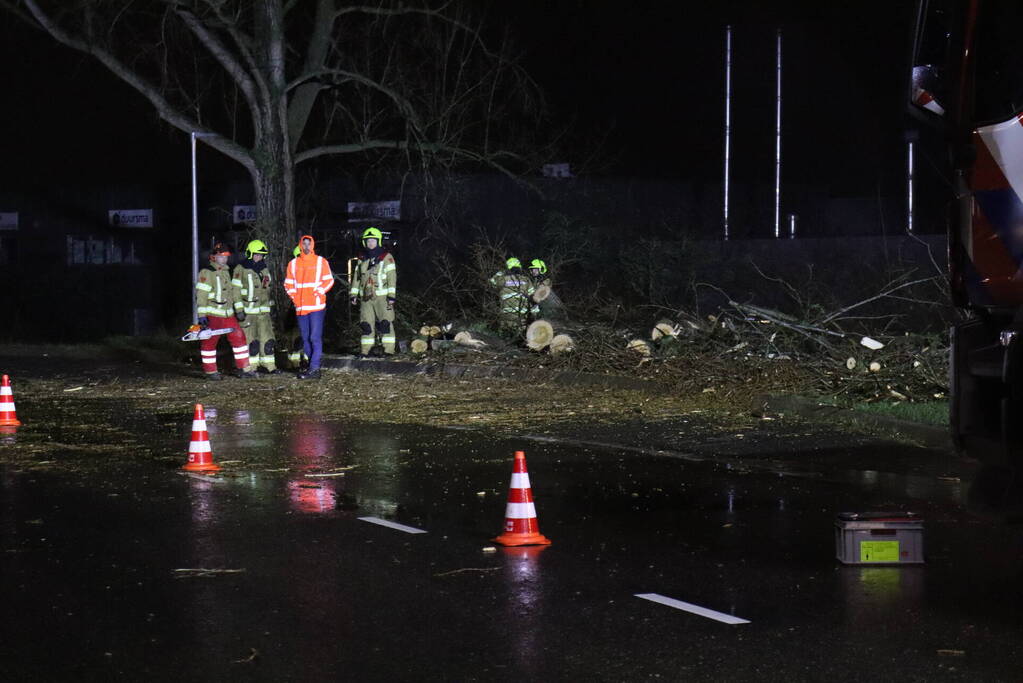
[
  {"x": 203, "y": 572},
  {"x": 467, "y": 570}
]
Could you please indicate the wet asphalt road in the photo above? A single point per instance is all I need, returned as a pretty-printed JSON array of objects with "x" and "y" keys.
[{"x": 90, "y": 591}]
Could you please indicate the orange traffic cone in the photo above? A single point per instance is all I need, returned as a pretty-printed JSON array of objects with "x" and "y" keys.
[
  {"x": 200, "y": 455},
  {"x": 520, "y": 524},
  {"x": 8, "y": 414}
]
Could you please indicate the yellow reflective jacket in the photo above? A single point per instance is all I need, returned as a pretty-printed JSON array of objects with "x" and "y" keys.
[
  {"x": 214, "y": 293},
  {"x": 375, "y": 276},
  {"x": 252, "y": 287},
  {"x": 515, "y": 289}
]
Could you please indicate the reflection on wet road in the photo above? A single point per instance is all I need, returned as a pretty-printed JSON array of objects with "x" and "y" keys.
[{"x": 295, "y": 586}]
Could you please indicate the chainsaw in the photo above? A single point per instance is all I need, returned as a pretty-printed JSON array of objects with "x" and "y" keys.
[{"x": 199, "y": 333}]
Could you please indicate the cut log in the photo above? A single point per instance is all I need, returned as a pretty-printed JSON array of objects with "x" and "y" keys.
[
  {"x": 639, "y": 346},
  {"x": 419, "y": 345},
  {"x": 539, "y": 335},
  {"x": 562, "y": 343},
  {"x": 465, "y": 338},
  {"x": 424, "y": 331},
  {"x": 435, "y": 331},
  {"x": 664, "y": 328},
  {"x": 550, "y": 304}
]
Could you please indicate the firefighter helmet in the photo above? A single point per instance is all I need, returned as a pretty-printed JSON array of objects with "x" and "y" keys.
[
  {"x": 539, "y": 265},
  {"x": 372, "y": 233},
  {"x": 512, "y": 263},
  {"x": 256, "y": 247},
  {"x": 219, "y": 248}
]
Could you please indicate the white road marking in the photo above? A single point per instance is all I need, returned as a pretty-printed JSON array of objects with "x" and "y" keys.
[
  {"x": 695, "y": 609},
  {"x": 393, "y": 525}
]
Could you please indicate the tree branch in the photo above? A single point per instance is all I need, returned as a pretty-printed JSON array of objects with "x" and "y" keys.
[
  {"x": 305, "y": 94},
  {"x": 404, "y": 105},
  {"x": 883, "y": 294},
  {"x": 165, "y": 109},
  {"x": 244, "y": 44},
  {"x": 425, "y": 147},
  {"x": 224, "y": 57}
]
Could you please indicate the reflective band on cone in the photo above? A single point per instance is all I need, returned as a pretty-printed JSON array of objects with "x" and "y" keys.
[
  {"x": 520, "y": 523},
  {"x": 200, "y": 454},
  {"x": 8, "y": 413}
]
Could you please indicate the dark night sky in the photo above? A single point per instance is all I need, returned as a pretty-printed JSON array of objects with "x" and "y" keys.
[{"x": 651, "y": 73}]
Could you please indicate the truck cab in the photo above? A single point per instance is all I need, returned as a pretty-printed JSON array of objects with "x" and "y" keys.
[{"x": 967, "y": 82}]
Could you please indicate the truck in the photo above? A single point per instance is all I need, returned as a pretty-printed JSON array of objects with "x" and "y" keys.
[{"x": 967, "y": 85}]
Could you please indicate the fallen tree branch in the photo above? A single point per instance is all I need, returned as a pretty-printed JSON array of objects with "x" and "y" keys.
[{"x": 882, "y": 295}]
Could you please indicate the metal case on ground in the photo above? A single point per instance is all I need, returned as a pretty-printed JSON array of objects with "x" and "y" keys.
[{"x": 879, "y": 538}]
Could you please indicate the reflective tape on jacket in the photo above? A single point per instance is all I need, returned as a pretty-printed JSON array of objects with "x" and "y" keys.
[
  {"x": 374, "y": 279},
  {"x": 309, "y": 294},
  {"x": 220, "y": 311},
  {"x": 381, "y": 282}
]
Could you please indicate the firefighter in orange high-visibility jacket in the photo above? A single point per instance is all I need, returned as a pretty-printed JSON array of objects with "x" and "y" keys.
[
  {"x": 374, "y": 286},
  {"x": 307, "y": 282},
  {"x": 214, "y": 303}
]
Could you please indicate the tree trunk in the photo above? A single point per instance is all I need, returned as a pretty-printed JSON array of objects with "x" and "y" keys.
[{"x": 273, "y": 179}]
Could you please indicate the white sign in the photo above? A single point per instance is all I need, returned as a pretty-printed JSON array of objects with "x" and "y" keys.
[
  {"x": 363, "y": 211},
  {"x": 244, "y": 213},
  {"x": 9, "y": 221},
  {"x": 557, "y": 170},
  {"x": 131, "y": 218}
]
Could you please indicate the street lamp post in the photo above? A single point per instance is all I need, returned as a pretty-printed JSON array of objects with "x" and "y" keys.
[{"x": 195, "y": 222}]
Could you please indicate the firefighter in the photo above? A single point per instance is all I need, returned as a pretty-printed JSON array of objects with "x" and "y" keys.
[
  {"x": 251, "y": 281},
  {"x": 538, "y": 273},
  {"x": 375, "y": 285},
  {"x": 515, "y": 292},
  {"x": 308, "y": 280},
  {"x": 214, "y": 301}
]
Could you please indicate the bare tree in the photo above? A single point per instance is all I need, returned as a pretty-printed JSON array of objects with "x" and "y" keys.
[{"x": 280, "y": 83}]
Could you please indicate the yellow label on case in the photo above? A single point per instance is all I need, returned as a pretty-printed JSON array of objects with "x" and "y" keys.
[{"x": 879, "y": 551}]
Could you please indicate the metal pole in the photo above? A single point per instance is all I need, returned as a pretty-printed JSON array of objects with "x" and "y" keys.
[
  {"x": 728, "y": 119},
  {"x": 909, "y": 187},
  {"x": 194, "y": 135},
  {"x": 777, "y": 144},
  {"x": 792, "y": 226},
  {"x": 195, "y": 232}
]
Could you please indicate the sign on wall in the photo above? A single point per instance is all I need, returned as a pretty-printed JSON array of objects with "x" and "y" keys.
[
  {"x": 244, "y": 213},
  {"x": 131, "y": 218},
  {"x": 369, "y": 211},
  {"x": 557, "y": 171},
  {"x": 9, "y": 220}
]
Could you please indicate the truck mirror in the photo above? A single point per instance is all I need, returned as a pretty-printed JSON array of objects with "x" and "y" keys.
[{"x": 927, "y": 91}]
